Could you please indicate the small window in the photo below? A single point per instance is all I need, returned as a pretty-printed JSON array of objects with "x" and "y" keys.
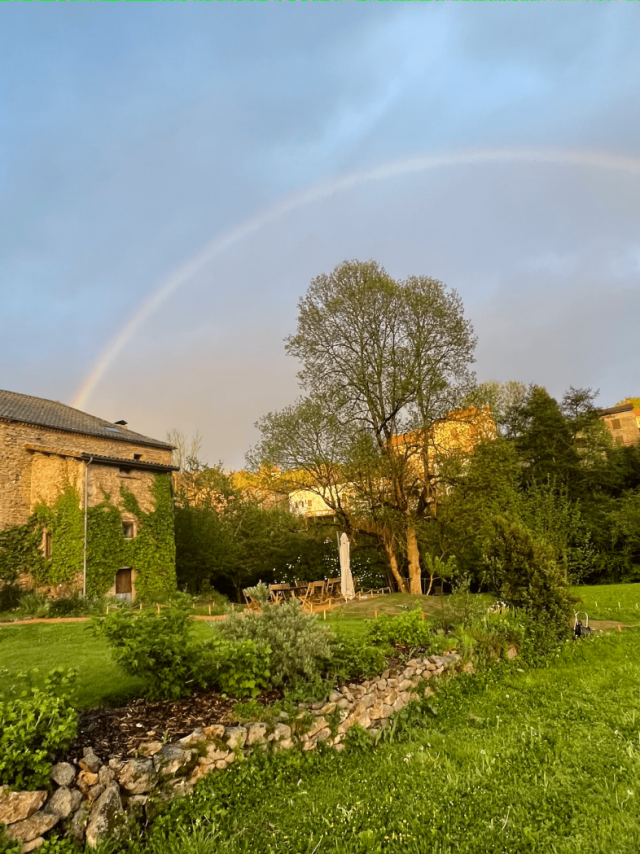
[
  {"x": 46, "y": 544},
  {"x": 615, "y": 424},
  {"x": 125, "y": 470},
  {"x": 309, "y": 503},
  {"x": 137, "y": 456},
  {"x": 129, "y": 530}
]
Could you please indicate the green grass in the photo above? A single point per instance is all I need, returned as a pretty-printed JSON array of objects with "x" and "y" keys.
[
  {"x": 48, "y": 645},
  {"x": 541, "y": 761},
  {"x": 618, "y": 602}
]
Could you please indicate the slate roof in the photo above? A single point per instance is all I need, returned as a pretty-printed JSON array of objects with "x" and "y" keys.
[
  {"x": 614, "y": 410},
  {"x": 58, "y": 416}
]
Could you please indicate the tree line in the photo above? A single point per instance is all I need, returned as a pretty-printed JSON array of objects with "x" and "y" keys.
[{"x": 416, "y": 461}]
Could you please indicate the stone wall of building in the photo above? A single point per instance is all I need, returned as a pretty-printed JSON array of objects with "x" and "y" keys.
[{"x": 28, "y": 476}]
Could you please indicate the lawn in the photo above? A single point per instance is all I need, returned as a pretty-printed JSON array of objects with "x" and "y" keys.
[
  {"x": 536, "y": 761},
  {"x": 619, "y": 602},
  {"x": 48, "y": 645}
]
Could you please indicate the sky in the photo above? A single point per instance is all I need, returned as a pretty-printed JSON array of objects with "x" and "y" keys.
[{"x": 171, "y": 179}]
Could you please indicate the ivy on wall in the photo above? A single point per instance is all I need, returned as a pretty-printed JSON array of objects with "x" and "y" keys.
[
  {"x": 151, "y": 553},
  {"x": 20, "y": 551}
]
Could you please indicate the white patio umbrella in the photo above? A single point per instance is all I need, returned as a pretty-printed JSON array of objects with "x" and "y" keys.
[{"x": 346, "y": 579}]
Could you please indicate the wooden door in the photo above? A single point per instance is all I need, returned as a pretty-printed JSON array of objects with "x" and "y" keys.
[{"x": 123, "y": 581}]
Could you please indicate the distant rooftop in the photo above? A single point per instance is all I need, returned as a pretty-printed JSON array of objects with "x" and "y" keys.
[
  {"x": 614, "y": 410},
  {"x": 58, "y": 416}
]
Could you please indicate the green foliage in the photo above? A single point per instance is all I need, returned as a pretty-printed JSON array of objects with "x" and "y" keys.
[
  {"x": 350, "y": 659},
  {"x": 9, "y": 845},
  {"x": 358, "y": 740},
  {"x": 297, "y": 641},
  {"x": 153, "y": 550},
  {"x": 522, "y": 572},
  {"x": 237, "y": 668},
  {"x": 32, "y": 727},
  {"x": 65, "y": 522},
  {"x": 20, "y": 551},
  {"x": 407, "y": 630},
  {"x": 9, "y": 596},
  {"x": 157, "y": 647}
]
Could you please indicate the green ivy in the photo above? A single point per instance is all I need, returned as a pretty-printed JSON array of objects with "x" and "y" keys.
[
  {"x": 151, "y": 553},
  {"x": 20, "y": 551}
]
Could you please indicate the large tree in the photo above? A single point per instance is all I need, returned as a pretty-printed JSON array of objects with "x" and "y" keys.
[{"x": 382, "y": 362}]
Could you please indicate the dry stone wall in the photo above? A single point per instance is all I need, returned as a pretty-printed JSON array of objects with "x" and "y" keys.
[{"x": 94, "y": 797}]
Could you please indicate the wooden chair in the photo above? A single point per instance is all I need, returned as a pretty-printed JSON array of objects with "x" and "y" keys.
[
  {"x": 250, "y": 602},
  {"x": 279, "y": 592},
  {"x": 332, "y": 590},
  {"x": 315, "y": 594}
]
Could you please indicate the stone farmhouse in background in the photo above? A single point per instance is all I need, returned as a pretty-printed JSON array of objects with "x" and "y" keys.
[
  {"x": 45, "y": 444},
  {"x": 623, "y": 422}
]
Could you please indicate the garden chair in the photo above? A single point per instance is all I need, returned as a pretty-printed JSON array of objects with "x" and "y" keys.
[
  {"x": 315, "y": 594},
  {"x": 332, "y": 590},
  {"x": 279, "y": 592},
  {"x": 250, "y": 602}
]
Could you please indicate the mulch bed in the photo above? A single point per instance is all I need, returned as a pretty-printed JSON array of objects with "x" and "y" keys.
[{"x": 120, "y": 732}]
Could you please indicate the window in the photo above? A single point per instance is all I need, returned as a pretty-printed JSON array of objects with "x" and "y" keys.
[
  {"x": 125, "y": 470},
  {"x": 112, "y": 429},
  {"x": 615, "y": 424},
  {"x": 46, "y": 544},
  {"x": 137, "y": 456},
  {"x": 129, "y": 530}
]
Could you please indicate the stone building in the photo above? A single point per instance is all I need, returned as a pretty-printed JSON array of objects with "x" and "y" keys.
[
  {"x": 89, "y": 488},
  {"x": 623, "y": 422}
]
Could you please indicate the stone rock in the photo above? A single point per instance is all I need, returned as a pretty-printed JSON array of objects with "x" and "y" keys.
[
  {"x": 429, "y": 692},
  {"x": 213, "y": 754},
  {"x": 63, "y": 774},
  {"x": 409, "y": 672},
  {"x": 182, "y": 787},
  {"x": 79, "y": 821},
  {"x": 512, "y": 652},
  {"x": 86, "y": 780},
  {"x": 30, "y": 828},
  {"x": 116, "y": 764},
  {"x": 281, "y": 731},
  {"x": 63, "y": 802},
  {"x": 358, "y": 691},
  {"x": 31, "y": 846},
  {"x": 231, "y": 758},
  {"x": 309, "y": 745},
  {"x": 375, "y": 712},
  {"x": 405, "y": 685},
  {"x": 316, "y": 726},
  {"x": 18, "y": 806},
  {"x": 432, "y": 666},
  {"x": 138, "y": 776},
  {"x": 343, "y": 703},
  {"x": 214, "y": 731},
  {"x": 90, "y": 761},
  {"x": 364, "y": 720},
  {"x": 285, "y": 744},
  {"x": 385, "y": 674},
  {"x": 328, "y": 708},
  {"x": 468, "y": 667},
  {"x": 387, "y": 711},
  {"x": 339, "y": 748},
  {"x": 106, "y": 816},
  {"x": 392, "y": 683},
  {"x": 284, "y": 716},
  {"x": 335, "y": 697},
  {"x": 235, "y": 736},
  {"x": 150, "y": 748},
  {"x": 347, "y": 693},
  {"x": 95, "y": 791},
  {"x": 317, "y": 705},
  {"x": 106, "y": 777},
  {"x": 381, "y": 684},
  {"x": 256, "y": 734},
  {"x": 195, "y": 737},
  {"x": 413, "y": 663},
  {"x": 172, "y": 760},
  {"x": 323, "y": 735},
  {"x": 221, "y": 765}
]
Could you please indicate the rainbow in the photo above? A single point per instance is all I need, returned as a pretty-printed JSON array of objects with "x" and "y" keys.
[{"x": 222, "y": 242}]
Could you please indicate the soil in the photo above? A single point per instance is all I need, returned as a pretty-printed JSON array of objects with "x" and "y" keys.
[{"x": 120, "y": 732}]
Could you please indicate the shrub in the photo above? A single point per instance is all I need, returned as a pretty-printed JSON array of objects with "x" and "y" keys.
[
  {"x": 523, "y": 573},
  {"x": 239, "y": 669},
  {"x": 358, "y": 740},
  {"x": 33, "y": 605},
  {"x": 351, "y": 659},
  {"x": 34, "y": 726},
  {"x": 409, "y": 629},
  {"x": 9, "y": 597},
  {"x": 297, "y": 641},
  {"x": 157, "y": 647}
]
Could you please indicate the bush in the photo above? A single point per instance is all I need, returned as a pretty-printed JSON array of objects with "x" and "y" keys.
[
  {"x": 409, "y": 630},
  {"x": 351, "y": 659},
  {"x": 523, "y": 573},
  {"x": 239, "y": 669},
  {"x": 10, "y": 596},
  {"x": 33, "y": 605},
  {"x": 157, "y": 647},
  {"x": 34, "y": 726},
  {"x": 297, "y": 641}
]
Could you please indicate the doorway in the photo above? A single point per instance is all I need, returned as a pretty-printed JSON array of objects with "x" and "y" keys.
[{"x": 124, "y": 586}]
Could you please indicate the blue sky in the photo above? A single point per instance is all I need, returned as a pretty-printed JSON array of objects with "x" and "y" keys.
[{"x": 133, "y": 134}]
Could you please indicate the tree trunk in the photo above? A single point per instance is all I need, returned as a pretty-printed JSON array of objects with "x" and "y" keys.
[
  {"x": 413, "y": 556},
  {"x": 393, "y": 563}
]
